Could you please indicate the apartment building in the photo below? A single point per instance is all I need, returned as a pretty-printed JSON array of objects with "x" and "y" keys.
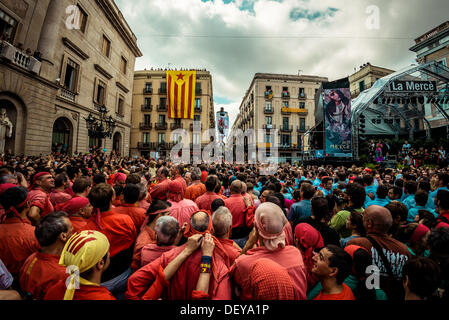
[
  {"x": 281, "y": 102},
  {"x": 151, "y": 132},
  {"x": 365, "y": 78}
]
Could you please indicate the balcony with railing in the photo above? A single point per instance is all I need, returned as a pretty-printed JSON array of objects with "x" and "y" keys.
[
  {"x": 147, "y": 90},
  {"x": 160, "y": 126},
  {"x": 67, "y": 94},
  {"x": 198, "y": 109},
  {"x": 147, "y": 108},
  {"x": 145, "y": 126},
  {"x": 19, "y": 58},
  {"x": 268, "y": 111},
  {"x": 269, "y": 126},
  {"x": 144, "y": 145},
  {"x": 302, "y": 129},
  {"x": 269, "y": 94},
  {"x": 175, "y": 126},
  {"x": 162, "y": 91},
  {"x": 302, "y": 95},
  {"x": 162, "y": 108},
  {"x": 285, "y": 128},
  {"x": 198, "y": 92},
  {"x": 285, "y": 94}
]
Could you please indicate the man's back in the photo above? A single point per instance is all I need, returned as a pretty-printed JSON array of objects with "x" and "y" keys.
[
  {"x": 289, "y": 257},
  {"x": 204, "y": 201},
  {"x": 300, "y": 211},
  {"x": 39, "y": 272},
  {"x": 237, "y": 206},
  {"x": 395, "y": 251},
  {"x": 17, "y": 243},
  {"x": 137, "y": 214}
]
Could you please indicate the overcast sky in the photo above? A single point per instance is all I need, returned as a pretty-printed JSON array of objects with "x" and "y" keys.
[{"x": 234, "y": 39}]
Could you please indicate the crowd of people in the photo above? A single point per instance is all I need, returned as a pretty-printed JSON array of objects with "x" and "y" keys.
[
  {"x": 407, "y": 155},
  {"x": 97, "y": 227}
]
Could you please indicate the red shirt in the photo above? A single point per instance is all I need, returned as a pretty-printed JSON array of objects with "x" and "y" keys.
[
  {"x": 345, "y": 294},
  {"x": 183, "y": 210},
  {"x": 152, "y": 252},
  {"x": 159, "y": 191},
  {"x": 39, "y": 273},
  {"x": 289, "y": 257},
  {"x": 237, "y": 206},
  {"x": 144, "y": 204},
  {"x": 184, "y": 282},
  {"x": 17, "y": 243},
  {"x": 204, "y": 175},
  {"x": 203, "y": 202},
  {"x": 183, "y": 182},
  {"x": 443, "y": 224},
  {"x": 231, "y": 249},
  {"x": 59, "y": 197},
  {"x": 146, "y": 236},
  {"x": 118, "y": 228},
  {"x": 57, "y": 292},
  {"x": 39, "y": 198},
  {"x": 137, "y": 214}
]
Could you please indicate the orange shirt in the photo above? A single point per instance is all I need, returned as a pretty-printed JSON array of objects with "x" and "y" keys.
[
  {"x": 345, "y": 294},
  {"x": 146, "y": 236},
  {"x": 194, "y": 191},
  {"x": 17, "y": 243},
  {"x": 118, "y": 228},
  {"x": 57, "y": 292},
  {"x": 39, "y": 273},
  {"x": 137, "y": 214},
  {"x": 78, "y": 223}
]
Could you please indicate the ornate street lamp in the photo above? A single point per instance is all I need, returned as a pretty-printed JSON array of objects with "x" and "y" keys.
[{"x": 100, "y": 128}]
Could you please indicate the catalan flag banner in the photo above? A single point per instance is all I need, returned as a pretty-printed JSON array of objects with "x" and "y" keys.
[{"x": 181, "y": 94}]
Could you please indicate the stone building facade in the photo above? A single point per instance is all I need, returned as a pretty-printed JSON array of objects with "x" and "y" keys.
[{"x": 61, "y": 60}]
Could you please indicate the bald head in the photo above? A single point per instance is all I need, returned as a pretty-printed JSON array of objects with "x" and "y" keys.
[
  {"x": 377, "y": 219},
  {"x": 200, "y": 221},
  {"x": 236, "y": 187}
]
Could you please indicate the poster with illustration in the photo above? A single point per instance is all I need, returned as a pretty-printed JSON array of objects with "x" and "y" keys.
[{"x": 337, "y": 122}]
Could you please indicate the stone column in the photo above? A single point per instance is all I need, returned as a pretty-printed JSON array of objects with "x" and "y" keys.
[{"x": 49, "y": 38}]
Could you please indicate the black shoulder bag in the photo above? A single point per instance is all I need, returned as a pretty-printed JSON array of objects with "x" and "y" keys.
[{"x": 392, "y": 286}]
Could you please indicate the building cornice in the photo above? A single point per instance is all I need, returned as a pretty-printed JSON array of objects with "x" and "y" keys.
[
  {"x": 122, "y": 87},
  {"x": 430, "y": 40},
  {"x": 80, "y": 53},
  {"x": 103, "y": 71},
  {"x": 117, "y": 20}
]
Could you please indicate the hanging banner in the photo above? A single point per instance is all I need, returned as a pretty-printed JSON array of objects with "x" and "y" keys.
[
  {"x": 181, "y": 94},
  {"x": 223, "y": 123},
  {"x": 337, "y": 122}
]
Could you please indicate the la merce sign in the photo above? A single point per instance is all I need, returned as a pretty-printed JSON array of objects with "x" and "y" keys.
[{"x": 413, "y": 86}]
